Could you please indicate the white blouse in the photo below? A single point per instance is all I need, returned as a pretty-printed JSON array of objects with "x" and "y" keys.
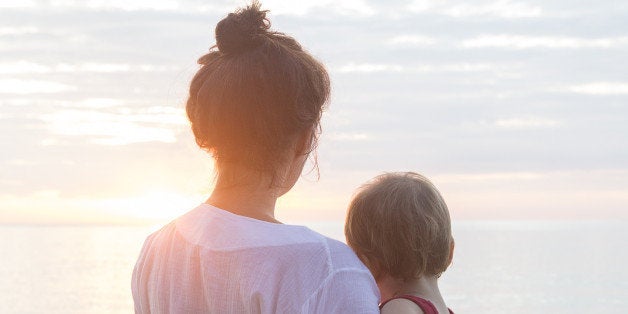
[{"x": 213, "y": 261}]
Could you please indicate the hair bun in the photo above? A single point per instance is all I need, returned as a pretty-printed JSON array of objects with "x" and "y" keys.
[{"x": 242, "y": 30}]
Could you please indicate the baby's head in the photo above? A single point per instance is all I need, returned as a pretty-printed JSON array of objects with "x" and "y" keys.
[{"x": 398, "y": 224}]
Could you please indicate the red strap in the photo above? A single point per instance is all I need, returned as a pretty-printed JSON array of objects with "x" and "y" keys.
[{"x": 425, "y": 305}]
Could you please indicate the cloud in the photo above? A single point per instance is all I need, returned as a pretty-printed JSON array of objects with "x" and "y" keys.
[
  {"x": 347, "y": 7},
  {"x": 31, "y": 86},
  {"x": 135, "y": 5},
  {"x": 552, "y": 42},
  {"x": 11, "y": 4},
  {"x": 534, "y": 195},
  {"x": 28, "y": 67},
  {"x": 601, "y": 88},
  {"x": 348, "y": 136},
  {"x": 23, "y": 67},
  {"x": 411, "y": 40},
  {"x": 490, "y": 177},
  {"x": 367, "y": 67},
  {"x": 157, "y": 205},
  {"x": 100, "y": 103},
  {"x": 278, "y": 7},
  {"x": 460, "y": 9},
  {"x": 527, "y": 123},
  {"x": 157, "y": 124},
  {"x": 22, "y": 30}
]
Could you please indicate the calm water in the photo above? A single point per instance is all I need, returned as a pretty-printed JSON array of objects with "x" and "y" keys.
[{"x": 499, "y": 267}]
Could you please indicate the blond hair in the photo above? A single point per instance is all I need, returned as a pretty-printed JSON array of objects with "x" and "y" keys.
[{"x": 398, "y": 224}]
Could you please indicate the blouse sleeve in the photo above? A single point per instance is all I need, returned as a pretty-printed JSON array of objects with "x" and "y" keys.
[{"x": 345, "y": 291}]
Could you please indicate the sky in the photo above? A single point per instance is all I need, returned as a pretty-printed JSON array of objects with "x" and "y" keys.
[{"x": 514, "y": 109}]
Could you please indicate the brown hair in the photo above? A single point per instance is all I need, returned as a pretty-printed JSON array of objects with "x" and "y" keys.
[
  {"x": 257, "y": 92},
  {"x": 398, "y": 224}
]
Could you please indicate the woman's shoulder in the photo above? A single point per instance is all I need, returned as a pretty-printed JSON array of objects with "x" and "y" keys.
[
  {"x": 342, "y": 256},
  {"x": 347, "y": 285},
  {"x": 212, "y": 229}
]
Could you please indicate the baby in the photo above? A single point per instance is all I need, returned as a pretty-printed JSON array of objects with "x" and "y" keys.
[{"x": 398, "y": 224}]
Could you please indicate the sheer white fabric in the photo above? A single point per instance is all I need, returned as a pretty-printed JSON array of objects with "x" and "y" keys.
[{"x": 213, "y": 261}]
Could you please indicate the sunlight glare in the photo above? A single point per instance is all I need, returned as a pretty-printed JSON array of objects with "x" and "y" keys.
[{"x": 154, "y": 205}]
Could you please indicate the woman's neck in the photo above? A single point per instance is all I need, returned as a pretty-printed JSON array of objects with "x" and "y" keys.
[{"x": 254, "y": 201}]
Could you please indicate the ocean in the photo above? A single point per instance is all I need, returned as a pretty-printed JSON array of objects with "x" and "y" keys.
[{"x": 498, "y": 267}]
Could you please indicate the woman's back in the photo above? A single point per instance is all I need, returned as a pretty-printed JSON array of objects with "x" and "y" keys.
[
  {"x": 213, "y": 261},
  {"x": 255, "y": 105}
]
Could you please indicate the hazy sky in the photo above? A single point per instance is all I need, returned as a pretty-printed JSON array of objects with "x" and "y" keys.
[{"x": 515, "y": 109}]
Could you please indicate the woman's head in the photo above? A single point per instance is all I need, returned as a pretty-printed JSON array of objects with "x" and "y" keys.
[
  {"x": 399, "y": 225},
  {"x": 257, "y": 100}
]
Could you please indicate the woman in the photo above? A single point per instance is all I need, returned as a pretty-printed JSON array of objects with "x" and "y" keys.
[{"x": 255, "y": 105}]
